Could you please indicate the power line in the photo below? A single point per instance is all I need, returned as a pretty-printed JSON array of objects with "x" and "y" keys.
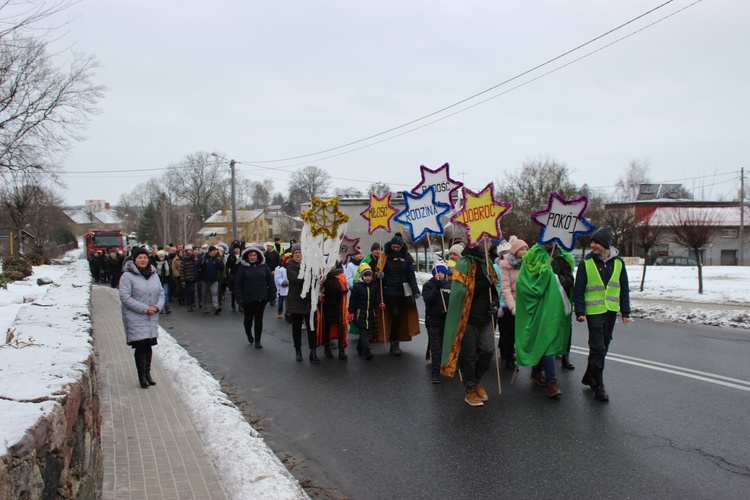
[{"x": 462, "y": 101}]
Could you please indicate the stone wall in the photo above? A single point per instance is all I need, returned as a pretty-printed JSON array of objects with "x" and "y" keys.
[{"x": 60, "y": 456}]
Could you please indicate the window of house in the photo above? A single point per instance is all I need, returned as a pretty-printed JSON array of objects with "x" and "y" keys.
[{"x": 729, "y": 233}]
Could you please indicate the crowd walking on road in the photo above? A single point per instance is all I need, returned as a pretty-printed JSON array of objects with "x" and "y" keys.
[{"x": 526, "y": 297}]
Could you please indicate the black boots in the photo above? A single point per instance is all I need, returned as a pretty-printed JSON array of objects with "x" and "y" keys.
[
  {"x": 567, "y": 364},
  {"x": 327, "y": 351},
  {"x": 395, "y": 349},
  {"x": 299, "y": 353},
  {"x": 140, "y": 366},
  {"x": 250, "y": 338},
  {"x": 342, "y": 353},
  {"x": 314, "y": 356},
  {"x": 368, "y": 354},
  {"x": 147, "y": 367}
]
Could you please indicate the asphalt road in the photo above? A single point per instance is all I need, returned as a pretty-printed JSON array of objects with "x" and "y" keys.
[{"x": 677, "y": 425}]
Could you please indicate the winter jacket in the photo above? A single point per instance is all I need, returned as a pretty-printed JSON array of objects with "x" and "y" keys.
[
  {"x": 362, "y": 304},
  {"x": 187, "y": 271},
  {"x": 279, "y": 278},
  {"x": 176, "y": 267},
  {"x": 163, "y": 270},
  {"x": 605, "y": 267},
  {"x": 295, "y": 304},
  {"x": 254, "y": 281},
  {"x": 508, "y": 282},
  {"x": 397, "y": 270},
  {"x": 273, "y": 259},
  {"x": 136, "y": 295},
  {"x": 209, "y": 268},
  {"x": 334, "y": 293},
  {"x": 233, "y": 265},
  {"x": 436, "y": 306}
]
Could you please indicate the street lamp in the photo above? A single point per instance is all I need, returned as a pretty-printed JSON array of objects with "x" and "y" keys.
[{"x": 234, "y": 197}]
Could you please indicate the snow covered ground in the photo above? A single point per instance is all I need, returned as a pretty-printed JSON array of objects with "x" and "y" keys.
[{"x": 56, "y": 318}]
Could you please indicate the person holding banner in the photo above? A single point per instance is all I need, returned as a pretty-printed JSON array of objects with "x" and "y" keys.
[
  {"x": 469, "y": 338},
  {"x": 601, "y": 291},
  {"x": 400, "y": 291}
]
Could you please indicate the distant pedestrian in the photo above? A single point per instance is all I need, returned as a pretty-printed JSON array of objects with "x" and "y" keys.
[
  {"x": 209, "y": 267},
  {"x": 187, "y": 276},
  {"x": 142, "y": 297}
]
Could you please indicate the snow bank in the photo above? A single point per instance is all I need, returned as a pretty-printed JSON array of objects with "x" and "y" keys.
[{"x": 246, "y": 465}]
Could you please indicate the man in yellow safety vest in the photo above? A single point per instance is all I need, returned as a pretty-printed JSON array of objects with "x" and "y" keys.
[{"x": 601, "y": 291}]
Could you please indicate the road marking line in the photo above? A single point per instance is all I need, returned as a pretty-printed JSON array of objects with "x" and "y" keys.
[{"x": 675, "y": 370}]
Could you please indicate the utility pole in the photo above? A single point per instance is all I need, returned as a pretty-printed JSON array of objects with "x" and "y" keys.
[
  {"x": 164, "y": 218},
  {"x": 742, "y": 216},
  {"x": 234, "y": 202}
]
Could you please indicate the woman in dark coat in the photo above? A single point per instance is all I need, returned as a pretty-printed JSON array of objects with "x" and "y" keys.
[
  {"x": 299, "y": 308},
  {"x": 397, "y": 275},
  {"x": 254, "y": 287},
  {"x": 142, "y": 297}
]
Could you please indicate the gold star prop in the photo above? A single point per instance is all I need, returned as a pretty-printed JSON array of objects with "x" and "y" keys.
[
  {"x": 380, "y": 212},
  {"x": 325, "y": 217}
]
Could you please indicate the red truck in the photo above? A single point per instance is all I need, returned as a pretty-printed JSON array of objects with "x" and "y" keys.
[{"x": 103, "y": 240}]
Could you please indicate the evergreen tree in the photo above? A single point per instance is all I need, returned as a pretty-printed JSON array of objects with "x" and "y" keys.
[{"x": 147, "y": 224}]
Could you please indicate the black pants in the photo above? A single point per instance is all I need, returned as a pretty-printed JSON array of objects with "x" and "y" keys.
[
  {"x": 297, "y": 320},
  {"x": 397, "y": 307},
  {"x": 507, "y": 343},
  {"x": 436, "y": 332},
  {"x": 254, "y": 318},
  {"x": 600, "y": 327}
]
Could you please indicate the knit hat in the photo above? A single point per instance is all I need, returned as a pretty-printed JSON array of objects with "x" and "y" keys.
[
  {"x": 603, "y": 236},
  {"x": 375, "y": 246},
  {"x": 516, "y": 244},
  {"x": 138, "y": 251},
  {"x": 295, "y": 248},
  {"x": 458, "y": 248},
  {"x": 397, "y": 239},
  {"x": 364, "y": 268},
  {"x": 440, "y": 266},
  {"x": 211, "y": 248},
  {"x": 450, "y": 265},
  {"x": 269, "y": 243}
]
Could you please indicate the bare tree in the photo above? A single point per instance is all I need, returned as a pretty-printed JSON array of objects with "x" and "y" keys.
[
  {"x": 261, "y": 193},
  {"x": 529, "y": 189},
  {"x": 622, "y": 222},
  {"x": 379, "y": 189},
  {"x": 200, "y": 181},
  {"x": 628, "y": 185},
  {"x": 43, "y": 107},
  {"x": 646, "y": 236},
  {"x": 310, "y": 181},
  {"x": 694, "y": 228},
  {"x": 27, "y": 204}
]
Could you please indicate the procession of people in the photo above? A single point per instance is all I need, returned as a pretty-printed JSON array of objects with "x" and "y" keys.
[{"x": 496, "y": 294}]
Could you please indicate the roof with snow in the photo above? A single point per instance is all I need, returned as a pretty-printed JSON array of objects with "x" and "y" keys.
[
  {"x": 719, "y": 216},
  {"x": 225, "y": 216},
  {"x": 98, "y": 216}
]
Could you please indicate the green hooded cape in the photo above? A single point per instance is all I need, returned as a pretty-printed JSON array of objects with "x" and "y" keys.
[{"x": 542, "y": 324}]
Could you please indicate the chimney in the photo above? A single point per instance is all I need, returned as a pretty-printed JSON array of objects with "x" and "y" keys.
[{"x": 106, "y": 205}]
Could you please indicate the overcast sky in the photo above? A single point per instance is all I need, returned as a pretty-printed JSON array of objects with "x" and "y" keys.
[{"x": 266, "y": 80}]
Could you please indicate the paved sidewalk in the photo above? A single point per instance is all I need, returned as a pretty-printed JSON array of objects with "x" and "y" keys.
[{"x": 150, "y": 447}]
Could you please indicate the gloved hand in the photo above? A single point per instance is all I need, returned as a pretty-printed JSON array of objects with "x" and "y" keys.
[
  {"x": 285, "y": 283},
  {"x": 505, "y": 311},
  {"x": 417, "y": 295},
  {"x": 493, "y": 310},
  {"x": 380, "y": 275},
  {"x": 513, "y": 311},
  {"x": 382, "y": 306},
  {"x": 350, "y": 316}
]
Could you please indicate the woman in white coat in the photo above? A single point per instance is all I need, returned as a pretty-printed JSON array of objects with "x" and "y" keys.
[{"x": 142, "y": 297}]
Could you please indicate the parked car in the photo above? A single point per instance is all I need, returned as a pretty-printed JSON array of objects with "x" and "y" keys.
[{"x": 671, "y": 260}]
